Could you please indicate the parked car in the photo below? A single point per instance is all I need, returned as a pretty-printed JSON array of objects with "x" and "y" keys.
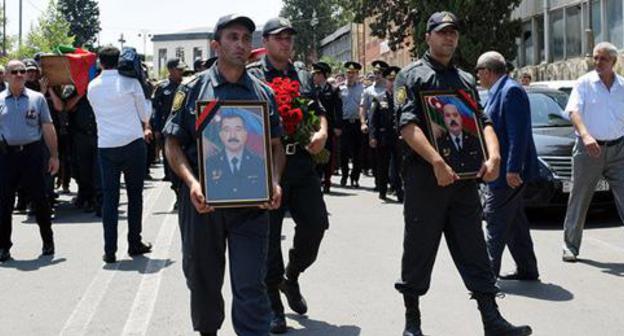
[
  {"x": 561, "y": 85},
  {"x": 554, "y": 139}
]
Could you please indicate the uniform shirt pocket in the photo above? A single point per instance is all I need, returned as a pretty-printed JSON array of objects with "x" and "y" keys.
[{"x": 32, "y": 118}]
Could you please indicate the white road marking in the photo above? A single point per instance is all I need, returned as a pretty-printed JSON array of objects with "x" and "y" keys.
[
  {"x": 145, "y": 299},
  {"x": 83, "y": 313}
]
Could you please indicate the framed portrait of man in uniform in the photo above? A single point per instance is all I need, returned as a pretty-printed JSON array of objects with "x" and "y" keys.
[
  {"x": 234, "y": 153},
  {"x": 455, "y": 130}
]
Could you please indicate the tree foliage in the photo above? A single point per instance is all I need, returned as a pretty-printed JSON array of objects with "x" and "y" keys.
[
  {"x": 84, "y": 19},
  {"x": 485, "y": 25},
  {"x": 51, "y": 30},
  {"x": 330, "y": 15}
]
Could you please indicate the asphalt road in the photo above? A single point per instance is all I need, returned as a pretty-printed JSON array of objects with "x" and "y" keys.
[{"x": 349, "y": 289}]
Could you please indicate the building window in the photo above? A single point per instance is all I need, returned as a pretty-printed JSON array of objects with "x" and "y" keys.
[
  {"x": 527, "y": 43},
  {"x": 596, "y": 20},
  {"x": 162, "y": 58},
  {"x": 574, "y": 31},
  {"x": 614, "y": 22},
  {"x": 197, "y": 53},
  {"x": 557, "y": 37},
  {"x": 540, "y": 39},
  {"x": 179, "y": 52}
]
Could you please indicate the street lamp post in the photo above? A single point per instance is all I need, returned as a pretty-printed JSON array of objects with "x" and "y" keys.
[
  {"x": 145, "y": 35},
  {"x": 121, "y": 40}
]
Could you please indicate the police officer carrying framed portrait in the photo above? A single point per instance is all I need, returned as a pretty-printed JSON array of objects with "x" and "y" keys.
[
  {"x": 436, "y": 201},
  {"x": 301, "y": 184},
  {"x": 24, "y": 121},
  {"x": 207, "y": 231}
]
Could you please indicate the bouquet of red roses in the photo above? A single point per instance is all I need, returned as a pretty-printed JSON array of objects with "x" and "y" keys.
[{"x": 299, "y": 119}]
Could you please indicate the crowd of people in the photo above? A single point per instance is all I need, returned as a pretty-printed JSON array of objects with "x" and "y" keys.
[{"x": 374, "y": 124}]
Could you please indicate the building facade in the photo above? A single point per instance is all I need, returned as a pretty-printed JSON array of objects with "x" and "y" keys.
[
  {"x": 555, "y": 42},
  {"x": 341, "y": 45},
  {"x": 187, "y": 45}
]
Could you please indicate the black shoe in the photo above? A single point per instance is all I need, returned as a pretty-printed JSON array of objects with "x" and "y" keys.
[
  {"x": 48, "y": 249},
  {"x": 355, "y": 184},
  {"x": 278, "y": 324},
  {"x": 382, "y": 197},
  {"x": 343, "y": 181},
  {"x": 412, "y": 316},
  {"x": 5, "y": 255},
  {"x": 400, "y": 198},
  {"x": 109, "y": 258},
  {"x": 98, "y": 211},
  {"x": 493, "y": 322},
  {"x": 521, "y": 276},
  {"x": 296, "y": 302},
  {"x": 326, "y": 190},
  {"x": 208, "y": 333},
  {"x": 140, "y": 249}
]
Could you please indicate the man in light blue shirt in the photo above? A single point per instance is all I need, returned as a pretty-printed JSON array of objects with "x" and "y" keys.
[
  {"x": 24, "y": 121},
  {"x": 349, "y": 125}
]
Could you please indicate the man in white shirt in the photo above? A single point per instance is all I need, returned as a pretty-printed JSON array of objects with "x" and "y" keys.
[
  {"x": 596, "y": 108},
  {"x": 122, "y": 122}
]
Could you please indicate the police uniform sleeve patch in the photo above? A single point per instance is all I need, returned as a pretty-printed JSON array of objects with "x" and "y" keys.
[
  {"x": 401, "y": 95},
  {"x": 178, "y": 101}
]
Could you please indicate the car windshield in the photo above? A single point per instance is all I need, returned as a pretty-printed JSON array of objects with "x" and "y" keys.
[{"x": 547, "y": 109}]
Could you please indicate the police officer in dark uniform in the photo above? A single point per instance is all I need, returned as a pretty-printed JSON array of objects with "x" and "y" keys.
[
  {"x": 206, "y": 231},
  {"x": 24, "y": 120},
  {"x": 383, "y": 137},
  {"x": 302, "y": 187},
  {"x": 329, "y": 97},
  {"x": 436, "y": 201},
  {"x": 349, "y": 125},
  {"x": 83, "y": 130},
  {"x": 163, "y": 99}
]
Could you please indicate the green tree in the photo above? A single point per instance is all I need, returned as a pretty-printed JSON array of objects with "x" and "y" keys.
[
  {"x": 51, "y": 30},
  {"x": 314, "y": 20},
  {"x": 485, "y": 25},
  {"x": 84, "y": 19}
]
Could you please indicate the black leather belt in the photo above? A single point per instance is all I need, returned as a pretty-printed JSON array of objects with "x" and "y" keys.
[
  {"x": 610, "y": 143},
  {"x": 21, "y": 148},
  {"x": 352, "y": 121}
]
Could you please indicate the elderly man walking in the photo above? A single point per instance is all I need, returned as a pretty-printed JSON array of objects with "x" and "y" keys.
[
  {"x": 507, "y": 225},
  {"x": 595, "y": 109}
]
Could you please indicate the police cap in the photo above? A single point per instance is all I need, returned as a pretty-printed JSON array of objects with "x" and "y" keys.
[
  {"x": 276, "y": 26},
  {"x": 176, "y": 63},
  {"x": 227, "y": 20},
  {"x": 30, "y": 64},
  {"x": 321, "y": 67},
  {"x": 440, "y": 20},
  {"x": 353, "y": 66},
  {"x": 379, "y": 65},
  {"x": 391, "y": 72}
]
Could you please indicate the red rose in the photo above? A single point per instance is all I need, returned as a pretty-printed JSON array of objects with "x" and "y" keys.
[
  {"x": 297, "y": 114},
  {"x": 283, "y": 100},
  {"x": 283, "y": 109}
]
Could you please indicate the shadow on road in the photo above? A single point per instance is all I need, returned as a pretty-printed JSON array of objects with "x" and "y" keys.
[
  {"x": 32, "y": 264},
  {"x": 616, "y": 269},
  {"x": 140, "y": 264},
  {"x": 320, "y": 328},
  {"x": 537, "y": 290}
]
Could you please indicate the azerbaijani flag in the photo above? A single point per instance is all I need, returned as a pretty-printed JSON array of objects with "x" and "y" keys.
[{"x": 81, "y": 66}]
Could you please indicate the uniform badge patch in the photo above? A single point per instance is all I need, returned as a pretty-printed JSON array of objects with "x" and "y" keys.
[
  {"x": 178, "y": 100},
  {"x": 401, "y": 95}
]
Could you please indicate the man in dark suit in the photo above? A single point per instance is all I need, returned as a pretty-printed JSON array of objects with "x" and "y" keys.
[
  {"x": 461, "y": 150},
  {"x": 508, "y": 107},
  {"x": 235, "y": 172}
]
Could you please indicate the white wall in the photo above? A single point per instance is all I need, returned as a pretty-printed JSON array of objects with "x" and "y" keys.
[{"x": 188, "y": 46}]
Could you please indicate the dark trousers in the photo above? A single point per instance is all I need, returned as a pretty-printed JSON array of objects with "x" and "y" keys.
[
  {"x": 351, "y": 143},
  {"x": 302, "y": 197},
  {"x": 88, "y": 170},
  {"x": 388, "y": 165},
  {"x": 326, "y": 170},
  {"x": 204, "y": 240},
  {"x": 431, "y": 211},
  {"x": 507, "y": 225},
  {"x": 129, "y": 160},
  {"x": 65, "y": 153},
  {"x": 24, "y": 168}
]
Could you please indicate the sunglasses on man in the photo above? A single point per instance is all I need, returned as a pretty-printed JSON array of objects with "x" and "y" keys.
[{"x": 20, "y": 71}]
